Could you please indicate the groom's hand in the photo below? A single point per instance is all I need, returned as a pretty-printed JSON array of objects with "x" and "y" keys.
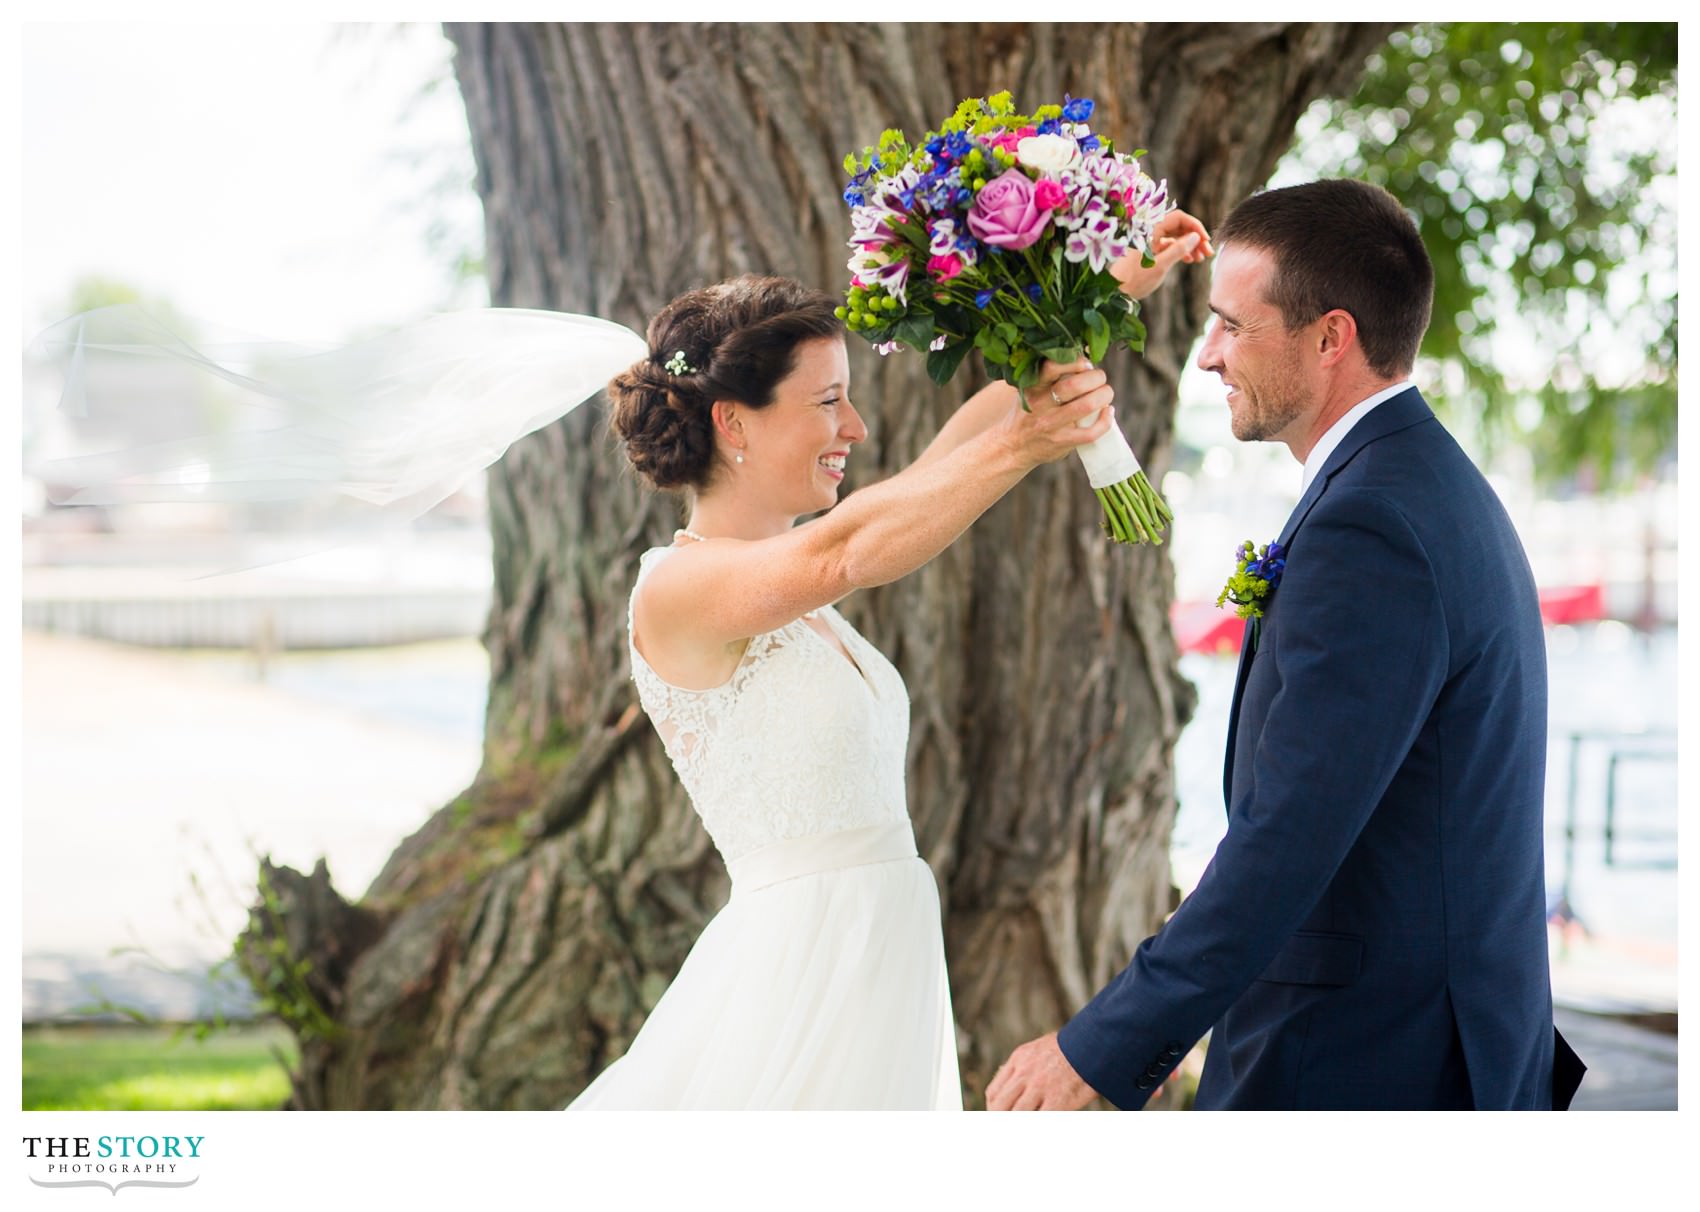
[
  {"x": 1038, "y": 1077},
  {"x": 1176, "y": 237}
]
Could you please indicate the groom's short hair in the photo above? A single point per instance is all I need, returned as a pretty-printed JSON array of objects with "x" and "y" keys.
[{"x": 1348, "y": 245}]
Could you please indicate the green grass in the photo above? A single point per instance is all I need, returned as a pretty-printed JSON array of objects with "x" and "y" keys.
[{"x": 99, "y": 1067}]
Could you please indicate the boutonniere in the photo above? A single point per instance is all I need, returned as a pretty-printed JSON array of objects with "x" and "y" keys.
[{"x": 1256, "y": 575}]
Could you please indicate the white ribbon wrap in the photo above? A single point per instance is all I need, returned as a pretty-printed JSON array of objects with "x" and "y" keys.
[{"x": 1109, "y": 460}]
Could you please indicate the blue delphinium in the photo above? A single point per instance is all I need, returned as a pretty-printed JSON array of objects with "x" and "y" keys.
[
  {"x": 1077, "y": 109},
  {"x": 854, "y": 194},
  {"x": 938, "y": 189},
  {"x": 1269, "y": 565}
]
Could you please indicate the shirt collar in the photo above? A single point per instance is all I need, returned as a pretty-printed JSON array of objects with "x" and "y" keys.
[{"x": 1337, "y": 432}]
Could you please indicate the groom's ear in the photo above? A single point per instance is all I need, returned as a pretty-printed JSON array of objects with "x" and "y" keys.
[{"x": 1337, "y": 336}]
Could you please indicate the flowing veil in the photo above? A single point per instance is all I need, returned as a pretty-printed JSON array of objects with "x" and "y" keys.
[{"x": 376, "y": 429}]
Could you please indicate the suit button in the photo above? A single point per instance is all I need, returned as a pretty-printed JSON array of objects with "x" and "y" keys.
[
  {"x": 1172, "y": 1049},
  {"x": 1145, "y": 1083},
  {"x": 1153, "y": 1070}
]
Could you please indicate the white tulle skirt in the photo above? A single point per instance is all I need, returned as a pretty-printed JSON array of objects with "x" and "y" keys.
[{"x": 820, "y": 991}]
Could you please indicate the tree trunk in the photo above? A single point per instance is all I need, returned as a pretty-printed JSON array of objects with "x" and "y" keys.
[{"x": 518, "y": 940}]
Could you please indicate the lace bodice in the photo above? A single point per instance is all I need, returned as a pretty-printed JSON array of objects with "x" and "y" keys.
[{"x": 798, "y": 741}]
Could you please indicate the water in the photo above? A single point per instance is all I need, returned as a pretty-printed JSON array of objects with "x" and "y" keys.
[{"x": 438, "y": 687}]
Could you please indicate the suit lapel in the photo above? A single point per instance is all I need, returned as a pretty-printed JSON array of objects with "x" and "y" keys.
[{"x": 1404, "y": 410}]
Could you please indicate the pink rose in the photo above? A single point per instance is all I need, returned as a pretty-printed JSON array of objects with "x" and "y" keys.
[
  {"x": 946, "y": 267},
  {"x": 1005, "y": 214},
  {"x": 1049, "y": 195}
]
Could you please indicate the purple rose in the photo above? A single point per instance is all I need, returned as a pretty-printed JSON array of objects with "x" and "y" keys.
[{"x": 1006, "y": 214}]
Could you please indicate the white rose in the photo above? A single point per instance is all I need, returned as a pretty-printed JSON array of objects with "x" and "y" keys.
[{"x": 1048, "y": 153}]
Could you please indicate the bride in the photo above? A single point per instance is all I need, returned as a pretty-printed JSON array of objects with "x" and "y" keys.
[{"x": 822, "y": 983}]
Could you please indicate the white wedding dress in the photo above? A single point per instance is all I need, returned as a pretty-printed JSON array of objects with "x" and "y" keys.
[{"x": 821, "y": 984}]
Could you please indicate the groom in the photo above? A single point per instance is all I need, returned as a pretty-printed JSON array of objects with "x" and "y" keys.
[{"x": 1371, "y": 932}]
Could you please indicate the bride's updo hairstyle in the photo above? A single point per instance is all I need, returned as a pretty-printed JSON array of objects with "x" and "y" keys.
[{"x": 732, "y": 341}]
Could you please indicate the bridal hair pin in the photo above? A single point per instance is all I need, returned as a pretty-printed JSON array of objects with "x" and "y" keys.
[{"x": 676, "y": 365}]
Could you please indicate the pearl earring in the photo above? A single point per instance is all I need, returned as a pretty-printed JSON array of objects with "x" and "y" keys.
[{"x": 740, "y": 458}]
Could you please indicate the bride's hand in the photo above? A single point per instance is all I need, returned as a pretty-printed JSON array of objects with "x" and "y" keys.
[
  {"x": 1067, "y": 408},
  {"x": 1177, "y": 237}
]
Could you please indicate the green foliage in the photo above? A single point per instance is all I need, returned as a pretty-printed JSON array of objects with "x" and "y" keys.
[
  {"x": 1540, "y": 161},
  {"x": 279, "y": 976},
  {"x": 124, "y": 1068}
]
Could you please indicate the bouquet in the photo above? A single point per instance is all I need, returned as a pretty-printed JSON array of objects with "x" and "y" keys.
[{"x": 998, "y": 233}]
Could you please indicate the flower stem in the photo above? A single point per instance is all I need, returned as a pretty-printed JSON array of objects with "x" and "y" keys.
[{"x": 1134, "y": 512}]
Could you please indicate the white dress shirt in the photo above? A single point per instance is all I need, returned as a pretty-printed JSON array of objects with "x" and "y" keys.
[{"x": 1337, "y": 432}]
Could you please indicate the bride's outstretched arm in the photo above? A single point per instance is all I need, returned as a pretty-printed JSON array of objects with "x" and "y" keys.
[
  {"x": 723, "y": 591},
  {"x": 978, "y": 413}
]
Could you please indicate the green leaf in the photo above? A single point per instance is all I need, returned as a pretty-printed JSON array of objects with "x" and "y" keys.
[
  {"x": 942, "y": 364},
  {"x": 912, "y": 232},
  {"x": 1098, "y": 341},
  {"x": 915, "y": 330},
  {"x": 995, "y": 348},
  {"x": 1008, "y": 332}
]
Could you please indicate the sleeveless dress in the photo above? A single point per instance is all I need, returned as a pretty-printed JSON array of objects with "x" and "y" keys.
[{"x": 821, "y": 984}]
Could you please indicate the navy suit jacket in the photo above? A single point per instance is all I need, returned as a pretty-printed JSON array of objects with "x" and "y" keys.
[{"x": 1371, "y": 932}]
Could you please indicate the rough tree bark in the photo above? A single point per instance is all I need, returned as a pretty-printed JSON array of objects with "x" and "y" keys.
[{"x": 512, "y": 947}]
